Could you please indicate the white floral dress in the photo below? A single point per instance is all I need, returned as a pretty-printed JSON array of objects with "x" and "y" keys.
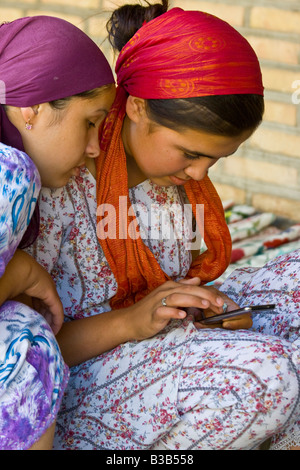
[{"x": 182, "y": 389}]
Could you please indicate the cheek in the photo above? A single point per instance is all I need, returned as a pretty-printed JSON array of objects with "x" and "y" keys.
[
  {"x": 212, "y": 164},
  {"x": 73, "y": 143}
]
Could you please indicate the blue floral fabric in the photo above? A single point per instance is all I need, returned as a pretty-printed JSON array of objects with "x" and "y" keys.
[{"x": 32, "y": 372}]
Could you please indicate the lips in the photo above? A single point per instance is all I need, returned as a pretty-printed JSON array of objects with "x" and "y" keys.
[{"x": 178, "y": 181}]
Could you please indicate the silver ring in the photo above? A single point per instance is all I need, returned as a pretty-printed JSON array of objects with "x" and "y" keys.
[
  {"x": 163, "y": 302},
  {"x": 225, "y": 306}
]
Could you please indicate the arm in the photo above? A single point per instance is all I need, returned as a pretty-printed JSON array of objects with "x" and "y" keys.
[
  {"x": 20, "y": 273},
  {"x": 23, "y": 275},
  {"x": 86, "y": 338}
]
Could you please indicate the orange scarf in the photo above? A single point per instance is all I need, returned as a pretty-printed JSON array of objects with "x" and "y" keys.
[{"x": 134, "y": 266}]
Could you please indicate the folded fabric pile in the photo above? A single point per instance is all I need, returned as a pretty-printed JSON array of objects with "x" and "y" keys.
[{"x": 257, "y": 237}]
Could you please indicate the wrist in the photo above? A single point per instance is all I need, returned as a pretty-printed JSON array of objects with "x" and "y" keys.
[{"x": 122, "y": 325}]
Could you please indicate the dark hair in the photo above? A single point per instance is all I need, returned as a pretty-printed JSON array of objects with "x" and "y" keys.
[
  {"x": 126, "y": 20},
  {"x": 228, "y": 115},
  {"x": 61, "y": 104},
  {"x": 88, "y": 95}
]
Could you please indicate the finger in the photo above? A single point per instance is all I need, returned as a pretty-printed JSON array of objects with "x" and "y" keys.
[
  {"x": 56, "y": 313},
  {"x": 56, "y": 324},
  {"x": 241, "y": 323},
  {"x": 193, "y": 296},
  {"x": 202, "y": 326},
  {"x": 166, "y": 313},
  {"x": 193, "y": 281},
  {"x": 53, "y": 313},
  {"x": 231, "y": 304}
]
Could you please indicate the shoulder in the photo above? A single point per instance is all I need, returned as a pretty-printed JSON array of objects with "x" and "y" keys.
[
  {"x": 19, "y": 190},
  {"x": 16, "y": 168}
]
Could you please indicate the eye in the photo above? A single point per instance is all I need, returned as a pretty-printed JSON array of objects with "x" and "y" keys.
[
  {"x": 91, "y": 124},
  {"x": 191, "y": 157}
]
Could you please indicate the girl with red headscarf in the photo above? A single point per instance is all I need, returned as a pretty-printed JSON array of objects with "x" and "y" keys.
[
  {"x": 146, "y": 375},
  {"x": 46, "y": 132}
]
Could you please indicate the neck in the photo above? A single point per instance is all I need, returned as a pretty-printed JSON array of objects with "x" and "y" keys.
[{"x": 135, "y": 175}]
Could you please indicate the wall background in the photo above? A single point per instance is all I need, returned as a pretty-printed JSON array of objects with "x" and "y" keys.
[{"x": 265, "y": 172}]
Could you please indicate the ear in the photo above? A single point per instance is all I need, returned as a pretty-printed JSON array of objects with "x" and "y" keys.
[
  {"x": 30, "y": 113},
  {"x": 135, "y": 108}
]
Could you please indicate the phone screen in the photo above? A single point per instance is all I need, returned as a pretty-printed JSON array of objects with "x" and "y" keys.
[{"x": 237, "y": 313}]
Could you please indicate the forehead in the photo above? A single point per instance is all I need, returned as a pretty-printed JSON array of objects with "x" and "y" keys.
[
  {"x": 95, "y": 105},
  {"x": 201, "y": 143}
]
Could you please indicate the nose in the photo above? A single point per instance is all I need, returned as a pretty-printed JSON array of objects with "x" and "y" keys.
[
  {"x": 93, "y": 148},
  {"x": 198, "y": 169}
]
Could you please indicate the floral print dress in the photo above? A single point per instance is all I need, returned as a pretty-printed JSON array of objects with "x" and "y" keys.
[
  {"x": 33, "y": 375},
  {"x": 184, "y": 388}
]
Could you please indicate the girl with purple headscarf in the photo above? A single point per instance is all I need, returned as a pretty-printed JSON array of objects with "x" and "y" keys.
[{"x": 55, "y": 89}]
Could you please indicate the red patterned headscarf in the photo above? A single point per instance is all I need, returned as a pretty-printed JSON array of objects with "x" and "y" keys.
[
  {"x": 183, "y": 54},
  {"x": 179, "y": 54}
]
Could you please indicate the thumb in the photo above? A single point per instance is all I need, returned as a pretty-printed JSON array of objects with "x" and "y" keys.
[{"x": 195, "y": 281}]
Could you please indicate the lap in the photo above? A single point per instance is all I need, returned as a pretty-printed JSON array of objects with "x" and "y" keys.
[
  {"x": 277, "y": 282},
  {"x": 32, "y": 376},
  {"x": 139, "y": 393},
  {"x": 204, "y": 389}
]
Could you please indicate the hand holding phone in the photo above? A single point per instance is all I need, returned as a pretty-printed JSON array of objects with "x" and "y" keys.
[{"x": 236, "y": 313}]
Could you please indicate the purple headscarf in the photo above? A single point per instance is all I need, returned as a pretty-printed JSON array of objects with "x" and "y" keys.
[{"x": 43, "y": 59}]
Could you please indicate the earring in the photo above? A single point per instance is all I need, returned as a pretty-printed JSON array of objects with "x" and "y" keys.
[{"x": 28, "y": 126}]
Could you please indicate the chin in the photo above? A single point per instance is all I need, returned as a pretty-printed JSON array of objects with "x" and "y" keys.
[
  {"x": 57, "y": 184},
  {"x": 161, "y": 182}
]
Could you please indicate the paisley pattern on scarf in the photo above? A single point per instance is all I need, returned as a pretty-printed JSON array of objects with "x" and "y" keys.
[{"x": 183, "y": 54}]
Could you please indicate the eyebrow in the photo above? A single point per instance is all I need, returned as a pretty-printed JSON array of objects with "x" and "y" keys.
[
  {"x": 200, "y": 154},
  {"x": 101, "y": 110}
]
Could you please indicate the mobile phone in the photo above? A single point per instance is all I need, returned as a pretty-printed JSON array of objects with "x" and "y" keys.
[{"x": 236, "y": 313}]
